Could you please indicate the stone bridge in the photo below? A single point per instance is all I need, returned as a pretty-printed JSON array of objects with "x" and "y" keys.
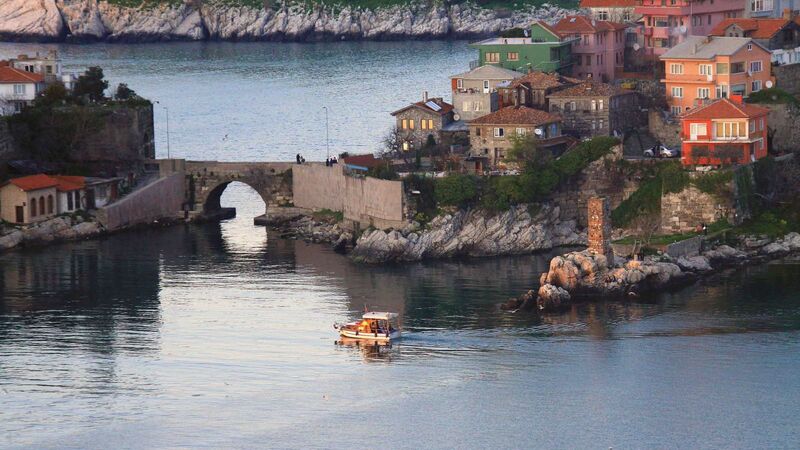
[{"x": 207, "y": 180}]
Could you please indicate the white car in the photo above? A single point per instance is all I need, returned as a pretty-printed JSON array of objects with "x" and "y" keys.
[{"x": 661, "y": 151}]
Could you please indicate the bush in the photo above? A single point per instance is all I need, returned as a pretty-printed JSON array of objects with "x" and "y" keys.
[
  {"x": 384, "y": 171},
  {"x": 583, "y": 154},
  {"x": 645, "y": 201},
  {"x": 425, "y": 201},
  {"x": 456, "y": 190},
  {"x": 771, "y": 96},
  {"x": 714, "y": 183}
]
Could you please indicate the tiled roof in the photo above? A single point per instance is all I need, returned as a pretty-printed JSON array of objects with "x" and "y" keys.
[
  {"x": 583, "y": 24},
  {"x": 549, "y": 28},
  {"x": 12, "y": 75},
  {"x": 517, "y": 116},
  {"x": 754, "y": 28},
  {"x": 589, "y": 89},
  {"x": 725, "y": 109},
  {"x": 544, "y": 80},
  {"x": 68, "y": 183},
  {"x": 702, "y": 47},
  {"x": 368, "y": 160},
  {"x": 488, "y": 72},
  {"x": 444, "y": 107},
  {"x": 34, "y": 182},
  {"x": 608, "y": 3}
]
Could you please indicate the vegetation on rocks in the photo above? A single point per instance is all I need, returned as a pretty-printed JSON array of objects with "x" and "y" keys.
[{"x": 773, "y": 96}]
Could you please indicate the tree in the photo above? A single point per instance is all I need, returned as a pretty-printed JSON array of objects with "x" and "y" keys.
[
  {"x": 53, "y": 95},
  {"x": 526, "y": 153},
  {"x": 393, "y": 146},
  {"x": 124, "y": 92},
  {"x": 92, "y": 85}
]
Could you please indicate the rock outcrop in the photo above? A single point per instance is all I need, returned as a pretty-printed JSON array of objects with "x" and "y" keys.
[
  {"x": 471, "y": 233},
  {"x": 56, "y": 229},
  {"x": 82, "y": 20}
]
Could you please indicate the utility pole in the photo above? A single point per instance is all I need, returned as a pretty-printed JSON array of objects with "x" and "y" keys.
[{"x": 327, "y": 144}]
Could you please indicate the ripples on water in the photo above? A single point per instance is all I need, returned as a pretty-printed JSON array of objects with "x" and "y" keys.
[{"x": 221, "y": 335}]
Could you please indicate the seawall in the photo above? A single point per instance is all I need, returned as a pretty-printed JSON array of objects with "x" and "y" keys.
[{"x": 162, "y": 199}]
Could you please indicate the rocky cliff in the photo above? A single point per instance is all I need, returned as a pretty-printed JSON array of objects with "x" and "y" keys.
[
  {"x": 471, "y": 233},
  {"x": 192, "y": 20}
]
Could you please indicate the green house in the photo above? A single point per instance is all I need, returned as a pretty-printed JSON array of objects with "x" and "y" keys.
[{"x": 544, "y": 50}]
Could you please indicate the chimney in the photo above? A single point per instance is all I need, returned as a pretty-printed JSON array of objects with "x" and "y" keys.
[
  {"x": 736, "y": 98},
  {"x": 425, "y": 96}
]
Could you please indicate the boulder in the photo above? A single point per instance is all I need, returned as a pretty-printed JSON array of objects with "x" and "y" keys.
[
  {"x": 774, "y": 249},
  {"x": 11, "y": 240},
  {"x": 698, "y": 264},
  {"x": 552, "y": 298}
]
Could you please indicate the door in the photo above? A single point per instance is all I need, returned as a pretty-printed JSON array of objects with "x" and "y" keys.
[
  {"x": 485, "y": 86},
  {"x": 20, "y": 214},
  {"x": 90, "y": 200}
]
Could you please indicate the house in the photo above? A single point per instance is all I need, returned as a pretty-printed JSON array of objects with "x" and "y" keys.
[
  {"x": 28, "y": 199},
  {"x": 490, "y": 135},
  {"x": 760, "y": 9},
  {"x": 100, "y": 192},
  {"x": 48, "y": 66},
  {"x": 475, "y": 92},
  {"x": 592, "y": 109},
  {"x": 71, "y": 193},
  {"x": 726, "y": 131},
  {"x": 18, "y": 89},
  {"x": 620, "y": 11},
  {"x": 598, "y": 46},
  {"x": 543, "y": 49},
  {"x": 780, "y": 36},
  {"x": 417, "y": 121},
  {"x": 707, "y": 68},
  {"x": 532, "y": 89},
  {"x": 668, "y": 23}
]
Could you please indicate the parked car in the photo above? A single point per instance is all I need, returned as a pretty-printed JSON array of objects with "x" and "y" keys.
[{"x": 661, "y": 151}]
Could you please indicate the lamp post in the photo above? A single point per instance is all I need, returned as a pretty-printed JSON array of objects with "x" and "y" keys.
[{"x": 327, "y": 144}]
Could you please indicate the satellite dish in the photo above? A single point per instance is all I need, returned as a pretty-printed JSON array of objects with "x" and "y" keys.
[
  {"x": 456, "y": 117},
  {"x": 636, "y": 47},
  {"x": 538, "y": 132},
  {"x": 683, "y": 29},
  {"x": 768, "y": 84}
]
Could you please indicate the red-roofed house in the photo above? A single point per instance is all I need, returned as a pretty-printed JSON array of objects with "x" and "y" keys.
[
  {"x": 490, "y": 135},
  {"x": 724, "y": 132},
  {"x": 18, "y": 89},
  {"x": 780, "y": 36},
  {"x": 419, "y": 120},
  {"x": 71, "y": 193},
  {"x": 621, "y": 11},
  {"x": 28, "y": 199},
  {"x": 598, "y": 46}
]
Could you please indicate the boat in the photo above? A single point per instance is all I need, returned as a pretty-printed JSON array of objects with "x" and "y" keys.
[{"x": 373, "y": 326}]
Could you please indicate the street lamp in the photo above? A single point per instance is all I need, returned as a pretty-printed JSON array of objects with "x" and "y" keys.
[
  {"x": 167, "y": 111},
  {"x": 327, "y": 144}
]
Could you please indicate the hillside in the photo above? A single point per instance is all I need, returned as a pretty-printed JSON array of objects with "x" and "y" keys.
[{"x": 262, "y": 20}]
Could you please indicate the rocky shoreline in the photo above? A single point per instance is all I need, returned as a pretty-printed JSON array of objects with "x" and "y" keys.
[
  {"x": 57, "y": 229},
  {"x": 194, "y": 20},
  {"x": 581, "y": 276}
]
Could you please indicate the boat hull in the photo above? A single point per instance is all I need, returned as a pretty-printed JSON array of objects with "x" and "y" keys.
[{"x": 383, "y": 337}]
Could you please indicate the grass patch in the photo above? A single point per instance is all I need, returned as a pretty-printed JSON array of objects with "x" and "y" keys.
[
  {"x": 774, "y": 224},
  {"x": 773, "y": 96},
  {"x": 327, "y": 215}
]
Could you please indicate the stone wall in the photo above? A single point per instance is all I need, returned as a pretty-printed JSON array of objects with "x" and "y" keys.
[
  {"x": 367, "y": 201},
  {"x": 8, "y": 150},
  {"x": 783, "y": 127},
  {"x": 683, "y": 212},
  {"x": 162, "y": 199},
  {"x": 599, "y": 233},
  {"x": 787, "y": 78},
  {"x": 666, "y": 131}
]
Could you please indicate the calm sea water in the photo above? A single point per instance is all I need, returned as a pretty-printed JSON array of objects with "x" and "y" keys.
[{"x": 221, "y": 335}]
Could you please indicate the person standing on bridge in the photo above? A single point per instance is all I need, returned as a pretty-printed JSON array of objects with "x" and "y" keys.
[{"x": 298, "y": 158}]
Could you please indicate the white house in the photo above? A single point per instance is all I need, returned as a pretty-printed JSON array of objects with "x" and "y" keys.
[
  {"x": 18, "y": 88},
  {"x": 48, "y": 66}
]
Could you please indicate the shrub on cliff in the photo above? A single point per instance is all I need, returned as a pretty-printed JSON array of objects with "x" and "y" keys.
[
  {"x": 583, "y": 154},
  {"x": 91, "y": 85},
  {"x": 456, "y": 190}
]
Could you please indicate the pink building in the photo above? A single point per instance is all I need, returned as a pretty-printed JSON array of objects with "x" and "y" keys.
[
  {"x": 668, "y": 22},
  {"x": 598, "y": 49}
]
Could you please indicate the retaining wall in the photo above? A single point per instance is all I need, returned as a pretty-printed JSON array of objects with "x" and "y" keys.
[
  {"x": 161, "y": 199},
  {"x": 787, "y": 78},
  {"x": 368, "y": 201}
]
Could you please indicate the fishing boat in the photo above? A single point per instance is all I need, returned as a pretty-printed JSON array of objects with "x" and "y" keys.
[{"x": 373, "y": 326}]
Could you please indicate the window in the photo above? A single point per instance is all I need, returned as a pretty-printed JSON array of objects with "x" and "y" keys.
[
  {"x": 760, "y": 5},
  {"x": 41, "y": 205},
  {"x": 588, "y": 60},
  {"x": 460, "y": 83},
  {"x": 676, "y": 69},
  {"x": 600, "y": 105},
  {"x": 703, "y": 92},
  {"x": 512, "y": 56},
  {"x": 705, "y": 69},
  {"x": 677, "y": 92},
  {"x": 466, "y": 106},
  {"x": 602, "y": 15},
  {"x": 585, "y": 39},
  {"x": 722, "y": 68},
  {"x": 477, "y": 131},
  {"x": 755, "y": 86},
  {"x": 50, "y": 203},
  {"x": 49, "y": 70},
  {"x": 33, "y": 208},
  {"x": 600, "y": 124},
  {"x": 761, "y": 124},
  {"x": 752, "y": 126},
  {"x": 410, "y": 124},
  {"x": 19, "y": 89},
  {"x": 737, "y": 67},
  {"x": 729, "y": 130},
  {"x": 676, "y": 110},
  {"x": 492, "y": 57},
  {"x": 722, "y": 91},
  {"x": 573, "y": 106},
  {"x": 485, "y": 86},
  {"x": 69, "y": 202},
  {"x": 698, "y": 129},
  {"x": 594, "y": 124},
  {"x": 594, "y": 105},
  {"x": 738, "y": 89},
  {"x": 425, "y": 124},
  {"x": 478, "y": 106},
  {"x": 709, "y": 19},
  {"x": 755, "y": 66},
  {"x": 499, "y": 132},
  {"x": 626, "y": 16},
  {"x": 661, "y": 22},
  {"x": 521, "y": 131}
]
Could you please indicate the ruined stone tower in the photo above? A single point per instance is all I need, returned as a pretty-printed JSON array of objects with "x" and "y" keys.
[{"x": 599, "y": 226}]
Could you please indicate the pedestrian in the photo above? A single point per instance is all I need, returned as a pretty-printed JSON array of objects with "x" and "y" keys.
[
  {"x": 298, "y": 158},
  {"x": 705, "y": 230},
  {"x": 327, "y": 162}
]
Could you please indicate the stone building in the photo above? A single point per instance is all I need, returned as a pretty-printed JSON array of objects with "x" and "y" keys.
[
  {"x": 475, "y": 92},
  {"x": 596, "y": 109},
  {"x": 532, "y": 89},
  {"x": 490, "y": 135},
  {"x": 417, "y": 121}
]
